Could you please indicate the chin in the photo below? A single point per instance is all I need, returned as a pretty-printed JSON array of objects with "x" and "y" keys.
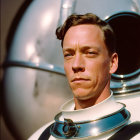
[
  {"x": 82, "y": 98},
  {"x": 83, "y": 95}
]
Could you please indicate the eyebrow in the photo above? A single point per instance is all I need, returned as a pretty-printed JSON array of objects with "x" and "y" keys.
[
  {"x": 84, "y": 47},
  {"x": 68, "y": 49},
  {"x": 89, "y": 47}
]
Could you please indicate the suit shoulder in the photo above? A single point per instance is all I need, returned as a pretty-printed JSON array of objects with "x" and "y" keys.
[{"x": 37, "y": 134}]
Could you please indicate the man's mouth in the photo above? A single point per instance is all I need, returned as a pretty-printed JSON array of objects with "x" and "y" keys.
[{"x": 80, "y": 80}]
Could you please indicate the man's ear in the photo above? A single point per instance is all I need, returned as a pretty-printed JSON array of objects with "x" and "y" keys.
[{"x": 113, "y": 63}]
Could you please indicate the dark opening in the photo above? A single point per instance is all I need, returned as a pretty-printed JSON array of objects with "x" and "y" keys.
[{"x": 127, "y": 29}]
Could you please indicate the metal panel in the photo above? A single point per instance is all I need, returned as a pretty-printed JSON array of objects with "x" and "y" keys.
[{"x": 34, "y": 81}]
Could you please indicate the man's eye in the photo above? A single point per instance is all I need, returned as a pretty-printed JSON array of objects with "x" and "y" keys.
[
  {"x": 67, "y": 55},
  {"x": 91, "y": 52}
]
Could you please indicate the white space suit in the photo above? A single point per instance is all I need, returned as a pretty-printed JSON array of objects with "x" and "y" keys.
[{"x": 101, "y": 110}]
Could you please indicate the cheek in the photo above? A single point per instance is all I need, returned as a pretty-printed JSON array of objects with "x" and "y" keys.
[
  {"x": 104, "y": 72},
  {"x": 106, "y": 66},
  {"x": 68, "y": 70},
  {"x": 98, "y": 69}
]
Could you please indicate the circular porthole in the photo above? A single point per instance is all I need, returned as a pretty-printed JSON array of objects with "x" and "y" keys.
[{"x": 126, "y": 26}]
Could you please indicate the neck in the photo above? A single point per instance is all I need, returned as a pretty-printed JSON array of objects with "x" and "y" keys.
[{"x": 81, "y": 104}]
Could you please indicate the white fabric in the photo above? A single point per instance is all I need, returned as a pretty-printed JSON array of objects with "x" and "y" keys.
[{"x": 105, "y": 107}]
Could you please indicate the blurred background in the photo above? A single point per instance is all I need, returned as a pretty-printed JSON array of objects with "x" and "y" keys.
[
  {"x": 8, "y": 11},
  {"x": 40, "y": 70},
  {"x": 33, "y": 83}
]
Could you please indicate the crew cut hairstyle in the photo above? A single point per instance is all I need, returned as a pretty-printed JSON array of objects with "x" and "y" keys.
[{"x": 89, "y": 18}]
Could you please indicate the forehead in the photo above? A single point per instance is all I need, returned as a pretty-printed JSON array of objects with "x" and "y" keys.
[
  {"x": 84, "y": 29},
  {"x": 85, "y": 34}
]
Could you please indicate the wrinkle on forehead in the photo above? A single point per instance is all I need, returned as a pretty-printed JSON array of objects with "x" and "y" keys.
[
  {"x": 83, "y": 35},
  {"x": 82, "y": 48}
]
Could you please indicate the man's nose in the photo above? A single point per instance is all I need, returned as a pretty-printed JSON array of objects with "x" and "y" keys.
[{"x": 78, "y": 64}]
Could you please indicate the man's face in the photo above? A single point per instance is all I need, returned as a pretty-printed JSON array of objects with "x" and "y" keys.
[{"x": 86, "y": 61}]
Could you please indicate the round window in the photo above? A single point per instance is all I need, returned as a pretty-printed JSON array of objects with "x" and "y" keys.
[{"x": 127, "y": 30}]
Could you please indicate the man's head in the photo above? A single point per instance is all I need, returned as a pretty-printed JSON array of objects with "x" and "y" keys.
[
  {"x": 89, "y": 56},
  {"x": 74, "y": 20}
]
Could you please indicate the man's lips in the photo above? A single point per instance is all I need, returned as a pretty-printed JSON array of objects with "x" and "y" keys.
[{"x": 79, "y": 79}]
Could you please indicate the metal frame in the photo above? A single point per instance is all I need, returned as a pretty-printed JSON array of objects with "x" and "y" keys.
[{"x": 71, "y": 130}]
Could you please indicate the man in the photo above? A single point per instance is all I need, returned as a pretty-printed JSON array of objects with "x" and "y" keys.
[{"x": 89, "y": 60}]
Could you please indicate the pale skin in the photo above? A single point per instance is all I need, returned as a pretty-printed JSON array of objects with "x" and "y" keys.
[{"x": 88, "y": 65}]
